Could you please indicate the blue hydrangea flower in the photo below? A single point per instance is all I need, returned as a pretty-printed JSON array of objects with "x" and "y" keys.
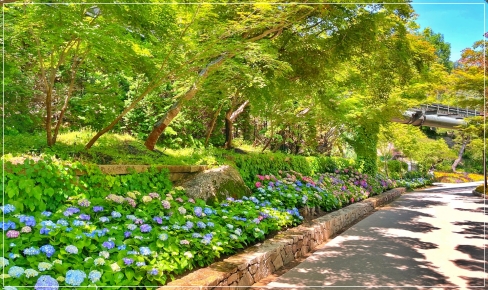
[
  {"x": 128, "y": 261},
  {"x": 145, "y": 228},
  {"x": 46, "y": 213},
  {"x": 145, "y": 251},
  {"x": 62, "y": 222},
  {"x": 48, "y": 250},
  {"x": 185, "y": 228},
  {"x": 104, "y": 219},
  {"x": 176, "y": 227},
  {"x": 108, "y": 244},
  {"x": 48, "y": 224},
  {"x": 121, "y": 247},
  {"x": 75, "y": 277},
  {"x": 31, "y": 251},
  {"x": 201, "y": 225},
  {"x": 8, "y": 208},
  {"x": 140, "y": 264},
  {"x": 44, "y": 231},
  {"x": 189, "y": 224},
  {"x": 131, "y": 227},
  {"x": 29, "y": 273},
  {"x": 131, "y": 217},
  {"x": 207, "y": 239},
  {"x": 46, "y": 282},
  {"x": 208, "y": 211},
  {"x": 3, "y": 262},
  {"x": 94, "y": 276},
  {"x": 196, "y": 235},
  {"x": 10, "y": 288},
  {"x": 153, "y": 271},
  {"x": 71, "y": 249},
  {"x": 132, "y": 253},
  {"x": 127, "y": 234},
  {"x": 116, "y": 214},
  {"x": 28, "y": 220},
  {"x": 7, "y": 225},
  {"x": 210, "y": 224},
  {"x": 198, "y": 211},
  {"x": 16, "y": 271},
  {"x": 78, "y": 223}
]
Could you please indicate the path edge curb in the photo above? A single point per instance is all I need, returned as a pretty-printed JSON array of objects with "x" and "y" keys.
[{"x": 258, "y": 261}]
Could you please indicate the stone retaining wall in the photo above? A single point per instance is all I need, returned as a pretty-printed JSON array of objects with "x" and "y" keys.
[
  {"x": 258, "y": 261},
  {"x": 176, "y": 172}
]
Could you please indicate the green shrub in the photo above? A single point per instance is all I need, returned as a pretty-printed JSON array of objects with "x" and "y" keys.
[
  {"x": 250, "y": 165},
  {"x": 396, "y": 166},
  {"x": 45, "y": 183}
]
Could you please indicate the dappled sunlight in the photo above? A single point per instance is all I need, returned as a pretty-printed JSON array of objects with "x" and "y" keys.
[{"x": 419, "y": 240}]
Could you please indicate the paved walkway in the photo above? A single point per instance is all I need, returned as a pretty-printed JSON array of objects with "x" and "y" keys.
[{"x": 431, "y": 238}]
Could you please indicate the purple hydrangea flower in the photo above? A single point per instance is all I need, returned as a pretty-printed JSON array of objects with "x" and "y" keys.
[
  {"x": 198, "y": 211},
  {"x": 97, "y": 208},
  {"x": 127, "y": 234},
  {"x": 128, "y": 261},
  {"x": 201, "y": 225},
  {"x": 108, "y": 244},
  {"x": 158, "y": 220},
  {"x": 145, "y": 228},
  {"x": 84, "y": 217},
  {"x": 189, "y": 224}
]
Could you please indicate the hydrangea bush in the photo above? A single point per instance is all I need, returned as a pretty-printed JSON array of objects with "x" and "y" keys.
[{"x": 144, "y": 239}]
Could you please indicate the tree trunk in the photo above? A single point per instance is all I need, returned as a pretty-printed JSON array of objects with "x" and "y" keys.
[
  {"x": 229, "y": 126},
  {"x": 212, "y": 125},
  {"x": 230, "y": 117},
  {"x": 176, "y": 108},
  {"x": 460, "y": 155}
]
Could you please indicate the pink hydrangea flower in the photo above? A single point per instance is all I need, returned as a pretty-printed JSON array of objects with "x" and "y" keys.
[
  {"x": 261, "y": 177},
  {"x": 258, "y": 184},
  {"x": 12, "y": 234}
]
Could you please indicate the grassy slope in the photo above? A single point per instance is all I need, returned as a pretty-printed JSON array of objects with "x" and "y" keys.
[{"x": 111, "y": 149}]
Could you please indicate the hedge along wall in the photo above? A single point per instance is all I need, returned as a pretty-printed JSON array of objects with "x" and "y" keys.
[
  {"x": 47, "y": 183},
  {"x": 250, "y": 165}
]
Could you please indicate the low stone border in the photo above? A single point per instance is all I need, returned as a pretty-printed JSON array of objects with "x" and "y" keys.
[
  {"x": 480, "y": 194},
  {"x": 258, "y": 261}
]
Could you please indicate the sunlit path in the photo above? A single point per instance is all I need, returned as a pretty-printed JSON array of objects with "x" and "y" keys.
[{"x": 432, "y": 238}]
